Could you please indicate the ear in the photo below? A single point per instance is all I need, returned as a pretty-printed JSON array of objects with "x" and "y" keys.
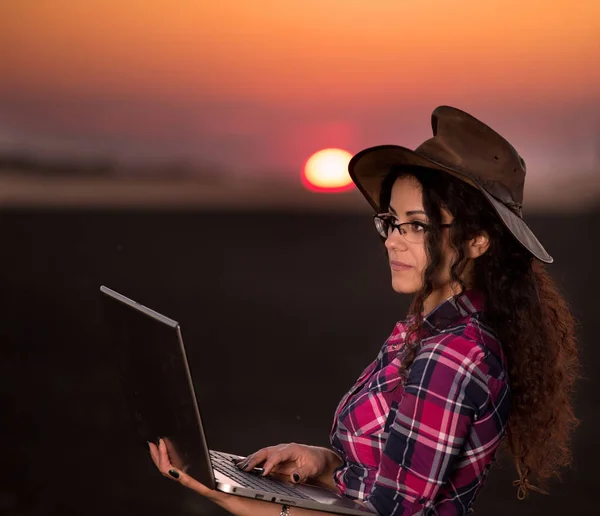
[{"x": 477, "y": 245}]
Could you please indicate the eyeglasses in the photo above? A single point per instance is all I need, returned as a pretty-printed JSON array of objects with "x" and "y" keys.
[{"x": 413, "y": 232}]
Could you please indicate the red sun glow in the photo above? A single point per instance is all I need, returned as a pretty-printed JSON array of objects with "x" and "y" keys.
[{"x": 327, "y": 171}]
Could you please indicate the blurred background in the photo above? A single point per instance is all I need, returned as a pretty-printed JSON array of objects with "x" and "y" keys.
[{"x": 163, "y": 149}]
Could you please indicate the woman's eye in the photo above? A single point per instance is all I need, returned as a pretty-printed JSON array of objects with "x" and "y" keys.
[{"x": 417, "y": 227}]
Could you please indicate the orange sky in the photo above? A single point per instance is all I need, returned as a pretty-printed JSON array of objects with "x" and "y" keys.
[{"x": 285, "y": 77}]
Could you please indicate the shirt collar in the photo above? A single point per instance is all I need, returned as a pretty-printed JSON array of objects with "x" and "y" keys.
[{"x": 452, "y": 311}]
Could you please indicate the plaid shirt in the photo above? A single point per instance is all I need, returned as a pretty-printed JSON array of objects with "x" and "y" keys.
[{"x": 423, "y": 443}]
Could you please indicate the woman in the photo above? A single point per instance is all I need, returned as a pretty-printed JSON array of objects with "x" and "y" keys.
[{"x": 487, "y": 351}]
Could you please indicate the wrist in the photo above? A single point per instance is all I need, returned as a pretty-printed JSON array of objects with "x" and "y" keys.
[
  {"x": 241, "y": 506},
  {"x": 332, "y": 459},
  {"x": 232, "y": 504}
]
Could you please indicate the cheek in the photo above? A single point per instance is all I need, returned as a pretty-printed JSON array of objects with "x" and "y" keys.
[
  {"x": 421, "y": 265},
  {"x": 448, "y": 258},
  {"x": 443, "y": 275},
  {"x": 409, "y": 283},
  {"x": 420, "y": 261}
]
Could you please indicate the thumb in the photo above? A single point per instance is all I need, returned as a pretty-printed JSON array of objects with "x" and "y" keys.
[{"x": 299, "y": 475}]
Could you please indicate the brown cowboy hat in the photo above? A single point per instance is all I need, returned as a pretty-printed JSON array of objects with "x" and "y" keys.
[{"x": 468, "y": 149}]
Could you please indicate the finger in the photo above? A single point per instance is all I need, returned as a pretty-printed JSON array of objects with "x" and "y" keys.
[
  {"x": 153, "y": 453},
  {"x": 253, "y": 460},
  {"x": 274, "y": 460},
  {"x": 288, "y": 460},
  {"x": 191, "y": 483},
  {"x": 284, "y": 469},
  {"x": 285, "y": 457},
  {"x": 168, "y": 470},
  {"x": 300, "y": 475},
  {"x": 164, "y": 463}
]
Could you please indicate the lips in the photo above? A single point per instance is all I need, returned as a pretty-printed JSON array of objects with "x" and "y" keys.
[{"x": 399, "y": 266}]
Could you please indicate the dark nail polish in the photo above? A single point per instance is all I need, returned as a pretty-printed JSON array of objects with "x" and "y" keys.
[
  {"x": 243, "y": 465},
  {"x": 174, "y": 473},
  {"x": 296, "y": 477}
]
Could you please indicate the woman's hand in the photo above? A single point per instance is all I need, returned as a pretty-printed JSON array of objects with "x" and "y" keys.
[
  {"x": 297, "y": 461},
  {"x": 160, "y": 457},
  {"x": 307, "y": 458}
]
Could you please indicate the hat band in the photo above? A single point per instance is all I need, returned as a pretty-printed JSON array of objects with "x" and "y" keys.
[{"x": 515, "y": 207}]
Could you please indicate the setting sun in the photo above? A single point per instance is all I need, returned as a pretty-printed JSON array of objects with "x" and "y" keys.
[{"x": 327, "y": 171}]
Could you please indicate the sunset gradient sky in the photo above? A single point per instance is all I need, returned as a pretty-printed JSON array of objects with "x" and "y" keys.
[{"x": 257, "y": 86}]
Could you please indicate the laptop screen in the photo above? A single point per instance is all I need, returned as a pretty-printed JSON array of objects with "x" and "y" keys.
[{"x": 156, "y": 382}]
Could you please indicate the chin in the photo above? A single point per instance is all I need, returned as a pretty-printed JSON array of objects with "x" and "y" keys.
[{"x": 404, "y": 287}]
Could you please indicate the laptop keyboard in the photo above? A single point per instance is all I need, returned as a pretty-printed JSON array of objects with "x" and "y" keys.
[{"x": 224, "y": 464}]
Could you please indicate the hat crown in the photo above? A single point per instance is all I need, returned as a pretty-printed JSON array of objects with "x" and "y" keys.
[{"x": 465, "y": 144}]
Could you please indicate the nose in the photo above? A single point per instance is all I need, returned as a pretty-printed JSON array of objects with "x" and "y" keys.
[{"x": 396, "y": 241}]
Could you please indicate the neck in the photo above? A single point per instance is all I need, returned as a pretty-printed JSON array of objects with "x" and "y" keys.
[{"x": 440, "y": 295}]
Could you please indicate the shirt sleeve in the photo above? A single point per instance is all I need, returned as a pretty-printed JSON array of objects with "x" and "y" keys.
[{"x": 444, "y": 392}]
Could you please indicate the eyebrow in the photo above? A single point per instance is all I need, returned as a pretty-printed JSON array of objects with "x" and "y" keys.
[{"x": 408, "y": 213}]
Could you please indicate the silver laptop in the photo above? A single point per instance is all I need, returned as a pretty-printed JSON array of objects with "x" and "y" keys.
[{"x": 159, "y": 392}]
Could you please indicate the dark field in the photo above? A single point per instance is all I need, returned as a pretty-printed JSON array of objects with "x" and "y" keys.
[{"x": 280, "y": 312}]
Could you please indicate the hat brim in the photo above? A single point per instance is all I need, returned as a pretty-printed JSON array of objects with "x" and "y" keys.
[{"x": 369, "y": 168}]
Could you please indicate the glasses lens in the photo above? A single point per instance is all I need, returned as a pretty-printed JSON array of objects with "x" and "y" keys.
[
  {"x": 414, "y": 233},
  {"x": 382, "y": 226}
]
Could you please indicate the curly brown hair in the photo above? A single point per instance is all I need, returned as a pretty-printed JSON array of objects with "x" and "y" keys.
[{"x": 524, "y": 308}]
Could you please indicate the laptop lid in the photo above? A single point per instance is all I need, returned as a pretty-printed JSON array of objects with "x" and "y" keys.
[{"x": 156, "y": 382}]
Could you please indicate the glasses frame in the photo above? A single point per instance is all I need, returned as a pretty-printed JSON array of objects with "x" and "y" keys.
[{"x": 391, "y": 220}]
